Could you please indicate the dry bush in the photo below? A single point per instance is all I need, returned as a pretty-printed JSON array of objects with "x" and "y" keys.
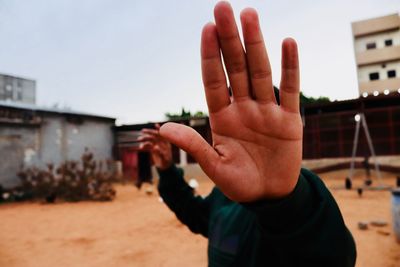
[{"x": 71, "y": 181}]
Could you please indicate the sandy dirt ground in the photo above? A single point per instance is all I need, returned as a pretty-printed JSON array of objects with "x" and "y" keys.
[{"x": 137, "y": 230}]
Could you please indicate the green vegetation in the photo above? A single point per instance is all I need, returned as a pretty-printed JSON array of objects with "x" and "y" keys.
[
  {"x": 312, "y": 100},
  {"x": 185, "y": 114}
]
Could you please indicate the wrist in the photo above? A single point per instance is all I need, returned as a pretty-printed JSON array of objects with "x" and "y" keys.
[{"x": 288, "y": 213}]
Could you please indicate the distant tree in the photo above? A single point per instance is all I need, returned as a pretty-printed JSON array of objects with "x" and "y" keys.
[
  {"x": 199, "y": 114},
  {"x": 57, "y": 105},
  {"x": 185, "y": 114},
  {"x": 312, "y": 100}
]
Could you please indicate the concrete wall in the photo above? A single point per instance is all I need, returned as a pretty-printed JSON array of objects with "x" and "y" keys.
[
  {"x": 17, "y": 145},
  {"x": 380, "y": 86},
  {"x": 51, "y": 140},
  {"x": 360, "y": 44},
  {"x": 55, "y": 141},
  {"x": 98, "y": 137},
  {"x": 194, "y": 170},
  {"x": 375, "y": 56},
  {"x": 375, "y": 25},
  {"x": 363, "y": 72},
  {"x": 384, "y": 82},
  {"x": 63, "y": 140},
  {"x": 319, "y": 163}
]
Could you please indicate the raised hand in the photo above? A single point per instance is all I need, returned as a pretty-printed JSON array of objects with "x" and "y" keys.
[
  {"x": 257, "y": 144},
  {"x": 160, "y": 149}
]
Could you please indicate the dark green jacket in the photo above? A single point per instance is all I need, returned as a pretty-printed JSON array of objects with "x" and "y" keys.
[{"x": 304, "y": 229}]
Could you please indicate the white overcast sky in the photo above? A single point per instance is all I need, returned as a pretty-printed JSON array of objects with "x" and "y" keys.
[{"x": 135, "y": 60}]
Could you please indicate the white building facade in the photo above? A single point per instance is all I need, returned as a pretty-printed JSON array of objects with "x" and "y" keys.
[
  {"x": 377, "y": 53},
  {"x": 17, "y": 89}
]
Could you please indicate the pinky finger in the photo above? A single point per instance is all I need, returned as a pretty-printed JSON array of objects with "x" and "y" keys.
[{"x": 290, "y": 80}]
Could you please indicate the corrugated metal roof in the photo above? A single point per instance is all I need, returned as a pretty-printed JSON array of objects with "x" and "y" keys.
[{"x": 61, "y": 111}]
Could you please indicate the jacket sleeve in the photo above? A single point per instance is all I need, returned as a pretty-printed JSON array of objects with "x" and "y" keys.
[
  {"x": 191, "y": 210},
  {"x": 306, "y": 228}
]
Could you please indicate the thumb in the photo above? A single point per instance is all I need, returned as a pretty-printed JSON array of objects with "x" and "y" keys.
[{"x": 191, "y": 141}]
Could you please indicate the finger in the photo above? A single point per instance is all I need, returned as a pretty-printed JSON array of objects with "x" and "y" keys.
[
  {"x": 290, "y": 80},
  {"x": 191, "y": 141},
  {"x": 150, "y": 131},
  {"x": 257, "y": 57},
  {"x": 214, "y": 79},
  {"x": 146, "y": 146},
  {"x": 232, "y": 50},
  {"x": 146, "y": 137},
  {"x": 146, "y": 134}
]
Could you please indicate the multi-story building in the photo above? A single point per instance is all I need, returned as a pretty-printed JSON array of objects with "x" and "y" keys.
[
  {"x": 16, "y": 89},
  {"x": 377, "y": 53}
]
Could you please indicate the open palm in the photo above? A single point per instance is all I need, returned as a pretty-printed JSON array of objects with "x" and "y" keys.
[{"x": 257, "y": 144}]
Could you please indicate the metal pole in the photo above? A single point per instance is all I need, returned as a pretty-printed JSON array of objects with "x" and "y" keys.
[
  {"x": 353, "y": 155},
  {"x": 371, "y": 148}
]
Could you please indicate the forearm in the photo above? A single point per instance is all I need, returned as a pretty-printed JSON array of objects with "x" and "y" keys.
[{"x": 178, "y": 195}]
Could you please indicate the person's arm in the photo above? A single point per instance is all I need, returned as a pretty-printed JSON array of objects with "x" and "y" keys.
[
  {"x": 306, "y": 226},
  {"x": 257, "y": 143},
  {"x": 191, "y": 210}
]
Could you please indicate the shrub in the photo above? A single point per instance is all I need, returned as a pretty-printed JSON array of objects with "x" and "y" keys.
[{"x": 71, "y": 181}]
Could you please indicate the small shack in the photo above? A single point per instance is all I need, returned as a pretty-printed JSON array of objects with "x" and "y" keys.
[{"x": 35, "y": 136}]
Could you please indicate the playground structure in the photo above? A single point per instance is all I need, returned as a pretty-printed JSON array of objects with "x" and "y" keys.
[
  {"x": 337, "y": 132},
  {"x": 361, "y": 121}
]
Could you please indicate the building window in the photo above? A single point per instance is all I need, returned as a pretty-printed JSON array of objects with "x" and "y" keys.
[
  {"x": 371, "y": 46},
  {"x": 374, "y": 76},
  {"x": 391, "y": 73},
  {"x": 388, "y": 42}
]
